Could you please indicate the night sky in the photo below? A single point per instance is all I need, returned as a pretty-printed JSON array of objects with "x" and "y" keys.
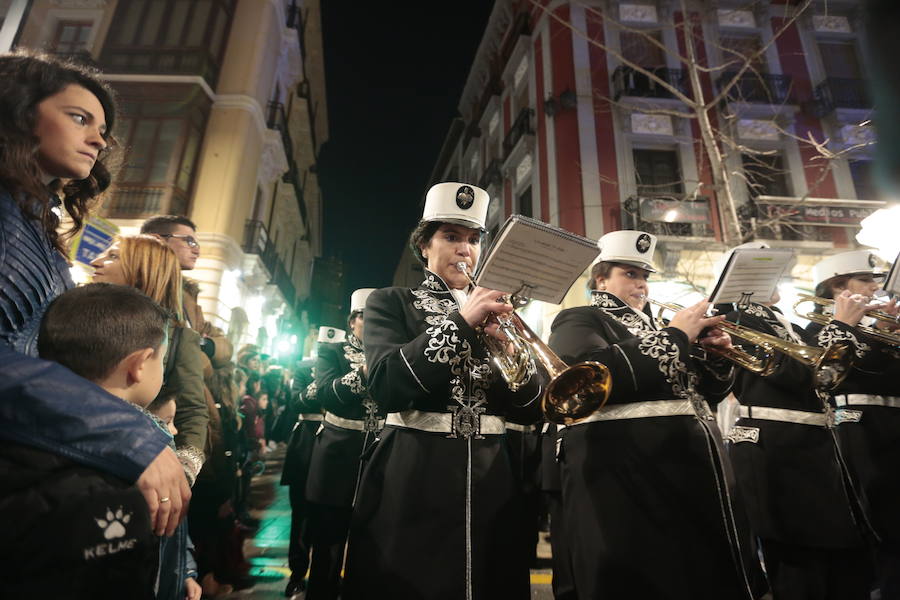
[{"x": 394, "y": 79}]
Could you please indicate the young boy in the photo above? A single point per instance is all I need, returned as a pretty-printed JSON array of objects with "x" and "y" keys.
[{"x": 69, "y": 530}]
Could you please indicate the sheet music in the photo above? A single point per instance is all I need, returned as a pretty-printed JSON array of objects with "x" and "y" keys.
[
  {"x": 753, "y": 271},
  {"x": 533, "y": 253},
  {"x": 892, "y": 281}
]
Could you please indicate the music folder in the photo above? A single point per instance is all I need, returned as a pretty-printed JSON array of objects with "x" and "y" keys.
[
  {"x": 751, "y": 275},
  {"x": 545, "y": 259},
  {"x": 892, "y": 280}
]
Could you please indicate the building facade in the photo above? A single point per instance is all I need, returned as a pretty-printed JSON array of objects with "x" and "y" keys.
[
  {"x": 575, "y": 113},
  {"x": 222, "y": 115}
]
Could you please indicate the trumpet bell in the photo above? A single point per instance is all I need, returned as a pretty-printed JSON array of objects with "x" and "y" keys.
[
  {"x": 833, "y": 366},
  {"x": 576, "y": 392}
]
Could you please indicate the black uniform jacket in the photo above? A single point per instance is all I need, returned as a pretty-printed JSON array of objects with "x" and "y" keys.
[
  {"x": 70, "y": 531},
  {"x": 649, "y": 501},
  {"x": 341, "y": 390},
  {"x": 300, "y": 445},
  {"x": 436, "y": 513},
  {"x": 790, "y": 474},
  {"x": 870, "y": 435}
]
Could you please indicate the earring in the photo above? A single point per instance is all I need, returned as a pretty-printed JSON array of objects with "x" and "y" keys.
[{"x": 602, "y": 287}]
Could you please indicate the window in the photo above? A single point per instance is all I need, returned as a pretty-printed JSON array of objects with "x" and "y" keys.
[
  {"x": 765, "y": 174},
  {"x": 737, "y": 50},
  {"x": 71, "y": 36},
  {"x": 863, "y": 179},
  {"x": 839, "y": 59},
  {"x": 657, "y": 172},
  {"x": 169, "y": 36},
  {"x": 638, "y": 49},
  {"x": 524, "y": 203}
]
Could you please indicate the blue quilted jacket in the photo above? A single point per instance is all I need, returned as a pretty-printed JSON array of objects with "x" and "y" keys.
[{"x": 43, "y": 404}]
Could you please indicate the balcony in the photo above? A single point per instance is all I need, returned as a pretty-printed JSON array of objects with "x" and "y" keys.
[
  {"x": 491, "y": 175},
  {"x": 757, "y": 88},
  {"x": 256, "y": 241},
  {"x": 169, "y": 61},
  {"x": 629, "y": 82},
  {"x": 806, "y": 219},
  {"x": 840, "y": 92},
  {"x": 276, "y": 118},
  {"x": 670, "y": 215},
  {"x": 520, "y": 128},
  {"x": 135, "y": 202}
]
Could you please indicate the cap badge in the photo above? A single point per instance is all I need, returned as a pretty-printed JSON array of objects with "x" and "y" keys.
[
  {"x": 465, "y": 197},
  {"x": 642, "y": 243},
  {"x": 330, "y": 333},
  {"x": 872, "y": 260}
]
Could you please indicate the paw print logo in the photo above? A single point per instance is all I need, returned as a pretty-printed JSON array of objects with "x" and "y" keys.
[{"x": 113, "y": 525}]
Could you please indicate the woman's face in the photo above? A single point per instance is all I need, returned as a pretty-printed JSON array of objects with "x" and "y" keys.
[
  {"x": 449, "y": 245},
  {"x": 628, "y": 284},
  {"x": 108, "y": 267},
  {"x": 166, "y": 414},
  {"x": 70, "y": 127},
  {"x": 864, "y": 284}
]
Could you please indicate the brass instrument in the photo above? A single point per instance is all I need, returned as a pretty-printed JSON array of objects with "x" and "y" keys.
[
  {"x": 572, "y": 394},
  {"x": 891, "y": 338},
  {"x": 830, "y": 365}
]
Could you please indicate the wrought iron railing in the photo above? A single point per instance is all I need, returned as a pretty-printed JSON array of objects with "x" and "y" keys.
[
  {"x": 491, "y": 175},
  {"x": 756, "y": 88},
  {"x": 171, "y": 61},
  {"x": 840, "y": 92},
  {"x": 257, "y": 241},
  {"x": 126, "y": 202},
  {"x": 629, "y": 82},
  {"x": 521, "y": 127},
  {"x": 277, "y": 119}
]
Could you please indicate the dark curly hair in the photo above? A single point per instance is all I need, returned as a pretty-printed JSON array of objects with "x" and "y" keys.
[{"x": 26, "y": 79}]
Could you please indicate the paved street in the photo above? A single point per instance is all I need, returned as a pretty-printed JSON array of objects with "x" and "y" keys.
[{"x": 267, "y": 552}]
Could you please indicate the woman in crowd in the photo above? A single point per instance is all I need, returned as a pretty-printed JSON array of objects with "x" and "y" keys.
[
  {"x": 145, "y": 262},
  {"x": 437, "y": 512},
  {"x": 647, "y": 493},
  {"x": 56, "y": 124},
  {"x": 868, "y": 401}
]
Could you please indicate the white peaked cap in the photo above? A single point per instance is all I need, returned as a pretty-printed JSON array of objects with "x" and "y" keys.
[
  {"x": 459, "y": 203},
  {"x": 358, "y": 299},
  {"x": 720, "y": 263},
  {"x": 628, "y": 247},
  {"x": 331, "y": 335},
  {"x": 845, "y": 263}
]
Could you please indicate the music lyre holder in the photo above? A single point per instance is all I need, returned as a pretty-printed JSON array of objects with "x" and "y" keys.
[
  {"x": 521, "y": 296},
  {"x": 745, "y": 301}
]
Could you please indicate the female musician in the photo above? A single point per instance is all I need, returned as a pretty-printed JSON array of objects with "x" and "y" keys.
[
  {"x": 648, "y": 498},
  {"x": 868, "y": 404},
  {"x": 809, "y": 521},
  {"x": 56, "y": 124},
  {"x": 437, "y": 514}
]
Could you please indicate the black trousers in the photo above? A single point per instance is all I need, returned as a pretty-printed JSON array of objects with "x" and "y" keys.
[
  {"x": 801, "y": 573},
  {"x": 563, "y": 581},
  {"x": 329, "y": 526},
  {"x": 889, "y": 573},
  {"x": 301, "y": 534}
]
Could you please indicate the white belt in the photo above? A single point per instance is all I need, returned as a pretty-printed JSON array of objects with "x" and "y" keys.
[
  {"x": 867, "y": 400},
  {"x": 640, "y": 410},
  {"x": 519, "y": 428},
  {"x": 801, "y": 417},
  {"x": 310, "y": 417},
  {"x": 354, "y": 424},
  {"x": 443, "y": 422}
]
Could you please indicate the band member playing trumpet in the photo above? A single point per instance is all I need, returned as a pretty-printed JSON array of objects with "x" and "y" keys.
[
  {"x": 809, "y": 521},
  {"x": 350, "y": 425},
  {"x": 868, "y": 401},
  {"x": 438, "y": 512},
  {"x": 647, "y": 495}
]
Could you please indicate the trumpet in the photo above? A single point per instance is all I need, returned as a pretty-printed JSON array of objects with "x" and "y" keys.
[
  {"x": 573, "y": 393},
  {"x": 885, "y": 337},
  {"x": 830, "y": 365}
]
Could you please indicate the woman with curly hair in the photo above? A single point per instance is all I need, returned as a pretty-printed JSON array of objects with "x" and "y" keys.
[{"x": 56, "y": 124}]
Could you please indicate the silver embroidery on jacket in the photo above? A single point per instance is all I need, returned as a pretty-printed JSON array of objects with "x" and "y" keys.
[
  {"x": 832, "y": 333},
  {"x": 353, "y": 380}
]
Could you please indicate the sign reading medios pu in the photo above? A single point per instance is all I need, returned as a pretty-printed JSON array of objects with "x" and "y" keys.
[{"x": 94, "y": 238}]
